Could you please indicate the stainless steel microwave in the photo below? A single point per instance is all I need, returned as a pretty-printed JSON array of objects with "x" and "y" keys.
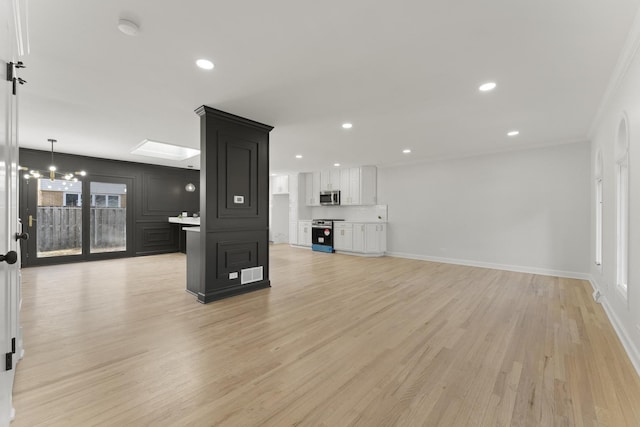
[{"x": 329, "y": 198}]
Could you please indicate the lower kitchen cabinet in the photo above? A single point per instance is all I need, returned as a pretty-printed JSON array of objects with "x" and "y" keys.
[
  {"x": 304, "y": 233},
  {"x": 363, "y": 238},
  {"x": 343, "y": 237},
  {"x": 359, "y": 238},
  {"x": 293, "y": 232},
  {"x": 375, "y": 238}
]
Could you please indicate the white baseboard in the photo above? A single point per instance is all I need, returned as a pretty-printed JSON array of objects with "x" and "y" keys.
[
  {"x": 623, "y": 335},
  {"x": 507, "y": 267}
]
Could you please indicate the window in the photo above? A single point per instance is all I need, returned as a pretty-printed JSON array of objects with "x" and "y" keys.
[
  {"x": 72, "y": 199},
  {"x": 622, "y": 209},
  {"x": 105, "y": 200}
]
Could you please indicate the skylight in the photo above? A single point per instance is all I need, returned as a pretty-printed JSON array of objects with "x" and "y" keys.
[{"x": 162, "y": 150}]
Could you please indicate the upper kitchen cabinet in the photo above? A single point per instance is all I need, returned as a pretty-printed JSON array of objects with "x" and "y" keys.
[
  {"x": 280, "y": 184},
  {"x": 359, "y": 186},
  {"x": 312, "y": 193},
  {"x": 330, "y": 180}
]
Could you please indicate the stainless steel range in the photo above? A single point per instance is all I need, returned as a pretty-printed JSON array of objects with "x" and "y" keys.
[{"x": 322, "y": 235}]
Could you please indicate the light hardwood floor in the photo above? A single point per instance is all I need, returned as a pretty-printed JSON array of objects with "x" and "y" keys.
[{"x": 338, "y": 340}]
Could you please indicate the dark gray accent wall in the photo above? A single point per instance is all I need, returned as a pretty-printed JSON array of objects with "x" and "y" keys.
[
  {"x": 234, "y": 200},
  {"x": 157, "y": 193}
]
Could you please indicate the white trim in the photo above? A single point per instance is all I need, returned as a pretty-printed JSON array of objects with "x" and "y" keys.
[
  {"x": 627, "y": 55},
  {"x": 507, "y": 267},
  {"x": 362, "y": 254},
  {"x": 627, "y": 343}
]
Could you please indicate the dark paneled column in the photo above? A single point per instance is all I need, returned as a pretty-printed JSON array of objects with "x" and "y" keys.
[{"x": 234, "y": 205}]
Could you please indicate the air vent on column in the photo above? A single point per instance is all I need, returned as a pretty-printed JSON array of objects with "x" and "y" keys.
[{"x": 249, "y": 275}]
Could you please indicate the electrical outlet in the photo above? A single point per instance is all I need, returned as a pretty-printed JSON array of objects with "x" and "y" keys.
[{"x": 233, "y": 275}]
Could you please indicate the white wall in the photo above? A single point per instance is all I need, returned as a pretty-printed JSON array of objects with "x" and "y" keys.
[
  {"x": 624, "y": 99},
  {"x": 522, "y": 210}
]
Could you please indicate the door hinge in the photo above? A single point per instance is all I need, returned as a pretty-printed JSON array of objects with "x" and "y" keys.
[
  {"x": 11, "y": 75},
  {"x": 13, "y": 345},
  {"x": 8, "y": 365}
]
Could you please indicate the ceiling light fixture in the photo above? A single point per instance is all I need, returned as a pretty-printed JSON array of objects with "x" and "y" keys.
[
  {"x": 298, "y": 156},
  {"x": 486, "y": 87},
  {"x": 336, "y": 165},
  {"x": 127, "y": 27},
  {"x": 513, "y": 133},
  {"x": 406, "y": 151},
  {"x": 53, "y": 170},
  {"x": 205, "y": 64},
  {"x": 347, "y": 125}
]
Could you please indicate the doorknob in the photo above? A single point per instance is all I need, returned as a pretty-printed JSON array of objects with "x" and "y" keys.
[
  {"x": 11, "y": 257},
  {"x": 23, "y": 236}
]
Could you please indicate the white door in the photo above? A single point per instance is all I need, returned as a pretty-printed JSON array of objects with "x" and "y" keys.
[{"x": 10, "y": 334}]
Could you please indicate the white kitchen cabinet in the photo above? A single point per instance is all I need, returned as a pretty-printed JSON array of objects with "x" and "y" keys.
[
  {"x": 375, "y": 238},
  {"x": 312, "y": 185},
  {"x": 293, "y": 232},
  {"x": 304, "y": 233},
  {"x": 358, "y": 186},
  {"x": 330, "y": 180},
  {"x": 369, "y": 238},
  {"x": 358, "y": 237},
  {"x": 349, "y": 183},
  {"x": 343, "y": 236},
  {"x": 280, "y": 184}
]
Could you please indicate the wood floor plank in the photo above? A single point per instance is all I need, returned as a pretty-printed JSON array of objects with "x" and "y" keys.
[{"x": 337, "y": 341}]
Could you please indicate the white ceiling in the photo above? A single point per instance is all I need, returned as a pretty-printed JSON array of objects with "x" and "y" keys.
[{"x": 405, "y": 73}]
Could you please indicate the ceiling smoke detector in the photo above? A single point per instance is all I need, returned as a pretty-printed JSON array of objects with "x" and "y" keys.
[{"x": 127, "y": 27}]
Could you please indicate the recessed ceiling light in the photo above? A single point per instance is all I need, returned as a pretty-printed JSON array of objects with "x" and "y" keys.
[
  {"x": 162, "y": 150},
  {"x": 487, "y": 87},
  {"x": 347, "y": 125},
  {"x": 127, "y": 27},
  {"x": 205, "y": 64},
  {"x": 406, "y": 151},
  {"x": 274, "y": 174},
  {"x": 513, "y": 133},
  {"x": 336, "y": 164},
  {"x": 298, "y": 156}
]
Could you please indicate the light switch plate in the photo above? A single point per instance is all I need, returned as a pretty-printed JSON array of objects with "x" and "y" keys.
[{"x": 233, "y": 275}]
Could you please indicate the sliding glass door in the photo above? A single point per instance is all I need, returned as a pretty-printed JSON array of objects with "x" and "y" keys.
[
  {"x": 58, "y": 218},
  {"x": 75, "y": 221},
  {"x": 108, "y": 219}
]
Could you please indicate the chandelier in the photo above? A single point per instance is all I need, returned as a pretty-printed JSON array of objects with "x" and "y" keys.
[{"x": 53, "y": 170}]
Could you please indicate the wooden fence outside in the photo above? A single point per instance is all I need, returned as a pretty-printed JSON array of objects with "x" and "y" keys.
[{"x": 60, "y": 228}]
